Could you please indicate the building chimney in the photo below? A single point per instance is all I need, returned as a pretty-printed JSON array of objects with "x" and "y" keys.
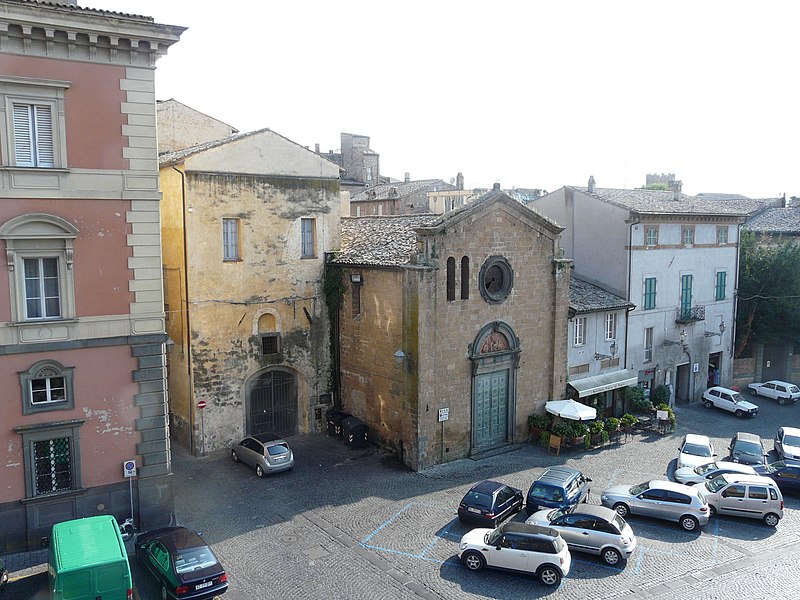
[
  {"x": 676, "y": 187},
  {"x": 408, "y": 176},
  {"x": 460, "y": 181},
  {"x": 496, "y": 186},
  {"x": 316, "y": 148},
  {"x": 591, "y": 184}
]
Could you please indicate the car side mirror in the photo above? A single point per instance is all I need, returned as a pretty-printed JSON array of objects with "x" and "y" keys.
[
  {"x": 715, "y": 454},
  {"x": 497, "y": 547},
  {"x": 587, "y": 479}
]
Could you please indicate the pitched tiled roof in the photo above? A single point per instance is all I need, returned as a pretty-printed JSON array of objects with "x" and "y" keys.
[
  {"x": 663, "y": 202},
  {"x": 386, "y": 241},
  {"x": 175, "y": 156},
  {"x": 586, "y": 297},
  {"x": 400, "y": 189},
  {"x": 776, "y": 220}
]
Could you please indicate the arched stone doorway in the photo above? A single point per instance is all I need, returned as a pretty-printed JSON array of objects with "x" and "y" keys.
[
  {"x": 495, "y": 359},
  {"x": 271, "y": 403}
]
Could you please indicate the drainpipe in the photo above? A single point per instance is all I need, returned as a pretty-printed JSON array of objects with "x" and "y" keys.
[{"x": 192, "y": 415}]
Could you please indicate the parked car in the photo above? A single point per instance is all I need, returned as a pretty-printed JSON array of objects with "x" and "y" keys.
[
  {"x": 695, "y": 450},
  {"x": 747, "y": 448},
  {"x": 590, "y": 528},
  {"x": 786, "y": 473},
  {"x": 777, "y": 390},
  {"x": 265, "y": 452},
  {"x": 750, "y": 496},
  {"x": 489, "y": 503},
  {"x": 787, "y": 443},
  {"x": 517, "y": 547},
  {"x": 661, "y": 500},
  {"x": 557, "y": 487},
  {"x": 182, "y": 563},
  {"x": 706, "y": 472},
  {"x": 3, "y": 574},
  {"x": 729, "y": 400}
]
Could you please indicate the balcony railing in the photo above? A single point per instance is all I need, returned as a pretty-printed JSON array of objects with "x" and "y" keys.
[{"x": 691, "y": 315}]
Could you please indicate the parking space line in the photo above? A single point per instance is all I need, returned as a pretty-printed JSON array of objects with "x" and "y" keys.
[{"x": 387, "y": 522}]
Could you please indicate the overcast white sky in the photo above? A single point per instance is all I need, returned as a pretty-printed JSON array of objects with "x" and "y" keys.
[{"x": 528, "y": 94}]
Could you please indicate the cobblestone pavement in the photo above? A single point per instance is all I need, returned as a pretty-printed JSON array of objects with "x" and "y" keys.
[{"x": 354, "y": 524}]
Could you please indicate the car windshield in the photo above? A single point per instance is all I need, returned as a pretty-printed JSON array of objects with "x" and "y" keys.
[
  {"x": 794, "y": 389},
  {"x": 716, "y": 484},
  {"x": 706, "y": 468},
  {"x": 749, "y": 448},
  {"x": 478, "y": 499},
  {"x": 194, "y": 559},
  {"x": 277, "y": 449},
  {"x": 791, "y": 440},
  {"x": 559, "y": 512},
  {"x": 491, "y": 538},
  {"x": 638, "y": 489},
  {"x": 542, "y": 491},
  {"x": 696, "y": 450},
  {"x": 619, "y": 523},
  {"x": 774, "y": 467}
]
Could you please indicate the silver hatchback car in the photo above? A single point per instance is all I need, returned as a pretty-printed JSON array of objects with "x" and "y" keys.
[
  {"x": 265, "y": 452},
  {"x": 661, "y": 500},
  {"x": 590, "y": 528}
]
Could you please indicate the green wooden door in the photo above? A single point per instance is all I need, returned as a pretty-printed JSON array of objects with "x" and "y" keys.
[{"x": 491, "y": 409}]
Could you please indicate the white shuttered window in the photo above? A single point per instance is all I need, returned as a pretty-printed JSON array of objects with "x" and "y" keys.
[{"x": 33, "y": 135}]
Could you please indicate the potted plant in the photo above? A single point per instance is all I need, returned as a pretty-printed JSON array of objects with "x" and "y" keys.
[
  {"x": 611, "y": 424},
  {"x": 579, "y": 433},
  {"x": 670, "y": 415},
  {"x": 544, "y": 438},
  {"x": 536, "y": 424},
  {"x": 661, "y": 395},
  {"x": 595, "y": 429},
  {"x": 562, "y": 430},
  {"x": 627, "y": 421}
]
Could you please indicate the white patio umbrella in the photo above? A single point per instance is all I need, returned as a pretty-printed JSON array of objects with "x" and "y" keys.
[{"x": 569, "y": 409}]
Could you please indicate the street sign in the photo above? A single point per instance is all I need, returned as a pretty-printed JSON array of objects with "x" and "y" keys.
[
  {"x": 201, "y": 404},
  {"x": 129, "y": 468},
  {"x": 443, "y": 414}
]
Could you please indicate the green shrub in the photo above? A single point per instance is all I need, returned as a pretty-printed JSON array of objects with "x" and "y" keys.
[
  {"x": 544, "y": 438},
  {"x": 634, "y": 396},
  {"x": 604, "y": 436},
  {"x": 628, "y": 420},
  {"x": 596, "y": 427},
  {"x": 670, "y": 414},
  {"x": 611, "y": 424},
  {"x": 540, "y": 421},
  {"x": 580, "y": 430},
  {"x": 562, "y": 429},
  {"x": 661, "y": 395}
]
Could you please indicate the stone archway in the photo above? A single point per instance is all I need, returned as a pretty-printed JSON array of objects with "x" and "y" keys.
[{"x": 495, "y": 359}]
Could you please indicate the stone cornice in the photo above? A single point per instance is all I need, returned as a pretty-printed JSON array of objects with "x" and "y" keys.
[{"x": 63, "y": 31}]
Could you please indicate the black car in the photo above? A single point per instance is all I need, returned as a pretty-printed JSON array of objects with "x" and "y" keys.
[
  {"x": 182, "y": 562},
  {"x": 746, "y": 448},
  {"x": 488, "y": 503},
  {"x": 786, "y": 473}
]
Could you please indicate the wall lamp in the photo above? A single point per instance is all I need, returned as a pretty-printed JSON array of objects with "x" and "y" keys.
[
  {"x": 713, "y": 333},
  {"x": 613, "y": 349},
  {"x": 674, "y": 343}
]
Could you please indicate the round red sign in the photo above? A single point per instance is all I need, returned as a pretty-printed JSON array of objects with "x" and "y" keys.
[{"x": 201, "y": 404}]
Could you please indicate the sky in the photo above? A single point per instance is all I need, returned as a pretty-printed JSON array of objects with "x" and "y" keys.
[{"x": 534, "y": 94}]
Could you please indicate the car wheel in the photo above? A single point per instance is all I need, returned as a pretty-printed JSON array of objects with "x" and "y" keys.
[
  {"x": 781, "y": 401},
  {"x": 234, "y": 456},
  {"x": 739, "y": 413},
  {"x": 259, "y": 471},
  {"x": 164, "y": 595},
  {"x": 622, "y": 509},
  {"x": 611, "y": 556},
  {"x": 708, "y": 404},
  {"x": 689, "y": 523},
  {"x": 712, "y": 512},
  {"x": 549, "y": 575},
  {"x": 771, "y": 519},
  {"x": 473, "y": 561}
]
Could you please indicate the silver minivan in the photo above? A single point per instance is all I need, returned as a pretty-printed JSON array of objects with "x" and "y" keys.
[{"x": 751, "y": 496}]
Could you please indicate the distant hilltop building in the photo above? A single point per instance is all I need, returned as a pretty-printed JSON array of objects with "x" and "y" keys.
[
  {"x": 360, "y": 165},
  {"x": 666, "y": 178}
]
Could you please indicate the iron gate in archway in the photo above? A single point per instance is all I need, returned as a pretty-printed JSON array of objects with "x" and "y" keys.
[{"x": 272, "y": 404}]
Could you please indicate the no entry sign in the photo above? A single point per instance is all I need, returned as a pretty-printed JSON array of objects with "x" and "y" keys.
[{"x": 201, "y": 404}]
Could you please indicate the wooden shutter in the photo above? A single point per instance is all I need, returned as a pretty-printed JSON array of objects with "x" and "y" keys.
[{"x": 23, "y": 136}]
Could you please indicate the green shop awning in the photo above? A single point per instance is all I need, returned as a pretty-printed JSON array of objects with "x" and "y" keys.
[{"x": 589, "y": 386}]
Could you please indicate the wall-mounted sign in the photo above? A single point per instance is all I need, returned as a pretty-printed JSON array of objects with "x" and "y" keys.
[{"x": 443, "y": 414}]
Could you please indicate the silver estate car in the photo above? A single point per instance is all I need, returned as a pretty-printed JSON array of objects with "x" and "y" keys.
[
  {"x": 590, "y": 528},
  {"x": 660, "y": 500},
  {"x": 265, "y": 452},
  {"x": 707, "y": 472}
]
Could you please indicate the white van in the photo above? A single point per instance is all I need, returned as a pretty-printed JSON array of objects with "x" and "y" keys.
[{"x": 738, "y": 495}]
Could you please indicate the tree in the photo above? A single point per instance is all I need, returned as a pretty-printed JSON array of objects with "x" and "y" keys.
[{"x": 768, "y": 296}]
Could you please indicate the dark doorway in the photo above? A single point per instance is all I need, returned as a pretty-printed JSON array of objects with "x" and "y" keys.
[
  {"x": 272, "y": 404},
  {"x": 683, "y": 376}
]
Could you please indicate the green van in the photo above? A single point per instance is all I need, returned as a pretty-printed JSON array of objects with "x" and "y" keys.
[{"x": 88, "y": 561}]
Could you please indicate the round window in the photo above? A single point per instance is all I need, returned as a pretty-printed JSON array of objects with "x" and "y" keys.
[{"x": 495, "y": 279}]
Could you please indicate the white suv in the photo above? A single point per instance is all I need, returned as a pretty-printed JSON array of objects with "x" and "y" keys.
[
  {"x": 517, "y": 547},
  {"x": 729, "y": 400}
]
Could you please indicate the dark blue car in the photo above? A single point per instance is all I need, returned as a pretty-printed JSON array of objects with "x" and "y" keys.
[
  {"x": 786, "y": 473},
  {"x": 489, "y": 503},
  {"x": 557, "y": 487}
]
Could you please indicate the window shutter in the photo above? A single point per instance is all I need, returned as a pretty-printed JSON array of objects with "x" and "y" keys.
[
  {"x": 44, "y": 136},
  {"x": 23, "y": 137}
]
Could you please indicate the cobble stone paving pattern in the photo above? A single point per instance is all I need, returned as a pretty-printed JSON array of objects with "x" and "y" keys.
[{"x": 352, "y": 523}]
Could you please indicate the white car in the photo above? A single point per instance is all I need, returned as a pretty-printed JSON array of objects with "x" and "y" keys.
[
  {"x": 517, "y": 547},
  {"x": 777, "y": 390},
  {"x": 695, "y": 450},
  {"x": 707, "y": 472},
  {"x": 787, "y": 443},
  {"x": 729, "y": 400}
]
